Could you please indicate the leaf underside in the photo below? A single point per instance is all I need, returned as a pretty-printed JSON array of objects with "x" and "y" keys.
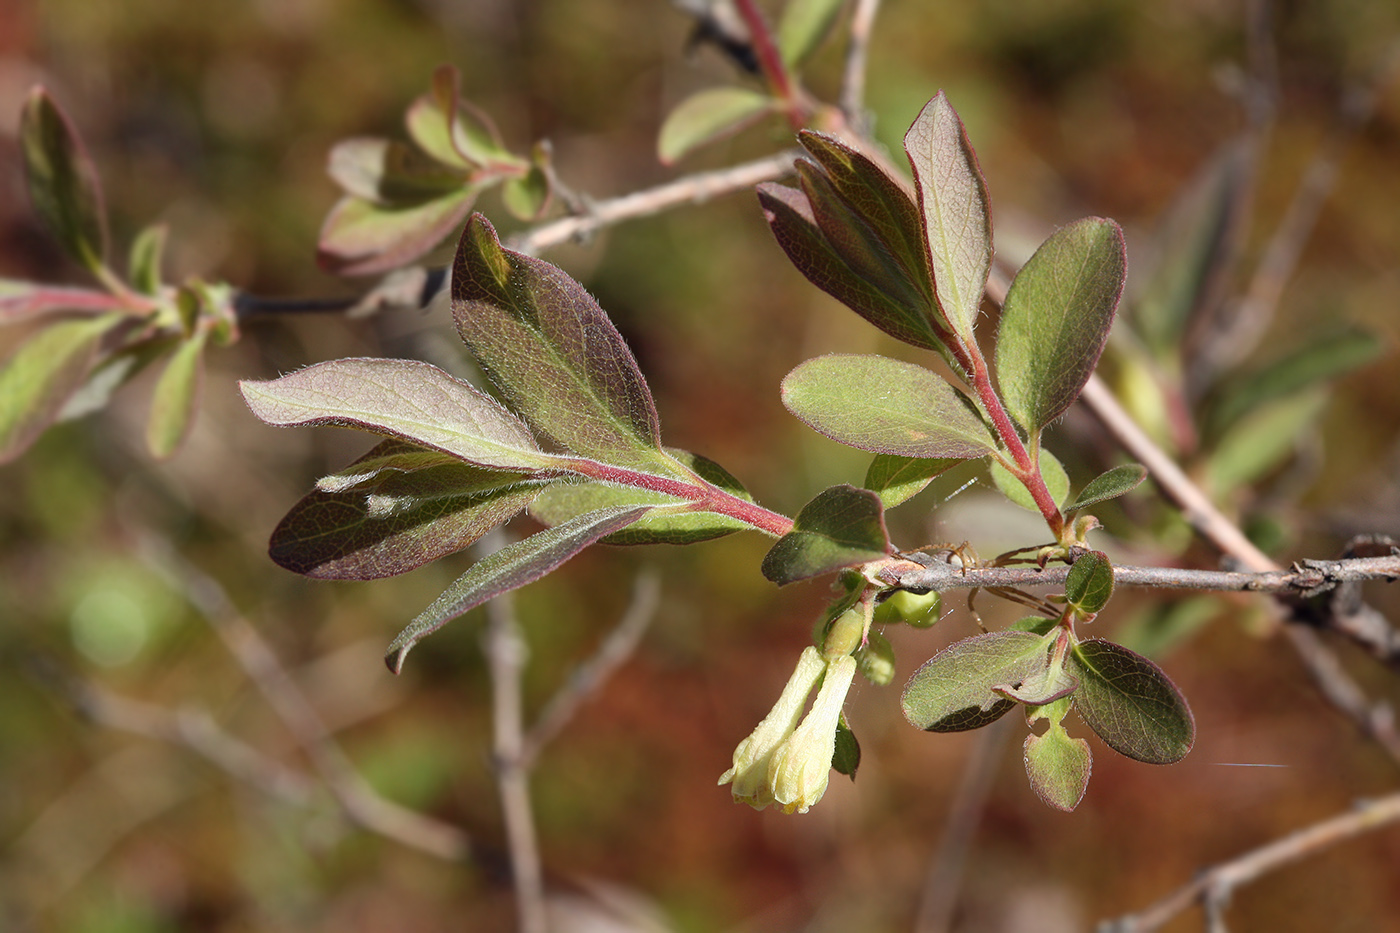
[{"x": 952, "y": 691}]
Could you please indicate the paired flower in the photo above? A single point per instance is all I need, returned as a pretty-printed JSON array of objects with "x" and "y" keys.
[{"x": 787, "y": 760}]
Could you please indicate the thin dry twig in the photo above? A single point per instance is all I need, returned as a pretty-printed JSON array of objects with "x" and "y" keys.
[
  {"x": 852, "y": 96},
  {"x": 1214, "y": 886},
  {"x": 356, "y": 798}
]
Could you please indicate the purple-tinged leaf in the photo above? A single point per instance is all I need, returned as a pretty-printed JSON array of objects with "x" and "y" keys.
[
  {"x": 413, "y": 401},
  {"x": 790, "y": 217},
  {"x": 957, "y": 219},
  {"x": 885, "y": 406},
  {"x": 175, "y": 399},
  {"x": 20, "y": 301},
  {"x": 1058, "y": 767},
  {"x": 898, "y": 479},
  {"x": 553, "y": 353},
  {"x": 390, "y": 173},
  {"x": 1051, "y": 471},
  {"x": 360, "y": 237},
  {"x": 37, "y": 381},
  {"x": 453, "y": 132},
  {"x": 1132, "y": 705},
  {"x": 145, "y": 257},
  {"x": 707, "y": 116},
  {"x": 63, "y": 182},
  {"x": 394, "y": 510},
  {"x": 1056, "y": 320},
  {"x": 564, "y": 501},
  {"x": 511, "y": 567},
  {"x": 842, "y": 527},
  {"x": 802, "y": 27},
  {"x": 953, "y": 690},
  {"x": 1109, "y": 484}
]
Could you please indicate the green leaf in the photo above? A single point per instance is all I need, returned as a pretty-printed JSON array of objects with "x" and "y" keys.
[
  {"x": 144, "y": 264},
  {"x": 1261, "y": 440},
  {"x": 1195, "y": 248},
  {"x": 1089, "y": 585},
  {"x": 175, "y": 399},
  {"x": 1041, "y": 687},
  {"x": 1058, "y": 767},
  {"x": 393, "y": 510},
  {"x": 846, "y": 759},
  {"x": 898, "y": 479},
  {"x": 885, "y": 406},
  {"x": 511, "y": 567},
  {"x": 1109, "y": 484},
  {"x": 63, "y": 182},
  {"x": 405, "y": 399},
  {"x": 790, "y": 216},
  {"x": 1038, "y": 625},
  {"x": 709, "y": 115},
  {"x": 1051, "y": 470},
  {"x": 553, "y": 353},
  {"x": 528, "y": 196},
  {"x": 842, "y": 527},
  {"x": 1325, "y": 356},
  {"x": 361, "y": 237},
  {"x": 390, "y": 173},
  {"x": 1056, "y": 320},
  {"x": 563, "y": 501},
  {"x": 803, "y": 26},
  {"x": 451, "y": 130},
  {"x": 37, "y": 381},
  {"x": 956, "y": 219},
  {"x": 1132, "y": 705},
  {"x": 953, "y": 692}
]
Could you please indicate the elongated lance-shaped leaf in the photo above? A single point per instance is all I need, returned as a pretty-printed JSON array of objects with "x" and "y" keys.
[
  {"x": 393, "y": 510},
  {"x": 790, "y": 216},
  {"x": 709, "y": 115},
  {"x": 1089, "y": 585},
  {"x": 144, "y": 260},
  {"x": 63, "y": 182},
  {"x": 1109, "y": 484},
  {"x": 1132, "y": 705},
  {"x": 885, "y": 406},
  {"x": 37, "y": 381},
  {"x": 898, "y": 479},
  {"x": 563, "y": 501},
  {"x": 803, "y": 26},
  {"x": 401, "y": 398},
  {"x": 952, "y": 691},
  {"x": 175, "y": 399},
  {"x": 1056, "y": 320},
  {"x": 842, "y": 527},
  {"x": 956, "y": 215},
  {"x": 553, "y": 352},
  {"x": 511, "y": 567}
]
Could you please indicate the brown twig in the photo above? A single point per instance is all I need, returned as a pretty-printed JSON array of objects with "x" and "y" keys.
[
  {"x": 852, "y": 96},
  {"x": 1214, "y": 887}
]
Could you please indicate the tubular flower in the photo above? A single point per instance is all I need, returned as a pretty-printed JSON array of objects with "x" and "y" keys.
[
  {"x": 753, "y": 757},
  {"x": 800, "y": 768}
]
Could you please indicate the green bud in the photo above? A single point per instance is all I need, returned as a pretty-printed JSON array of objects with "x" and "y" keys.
[
  {"x": 875, "y": 660},
  {"x": 845, "y": 634},
  {"x": 920, "y": 610}
]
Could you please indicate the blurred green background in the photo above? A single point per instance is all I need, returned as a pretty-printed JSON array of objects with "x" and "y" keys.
[{"x": 217, "y": 118}]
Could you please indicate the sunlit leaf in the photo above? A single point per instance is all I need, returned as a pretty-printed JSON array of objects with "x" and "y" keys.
[
  {"x": 790, "y": 217},
  {"x": 144, "y": 263},
  {"x": 1089, "y": 585},
  {"x": 952, "y": 691},
  {"x": 885, "y": 406},
  {"x": 1132, "y": 705},
  {"x": 393, "y": 510},
  {"x": 175, "y": 399},
  {"x": 553, "y": 353},
  {"x": 1056, "y": 320},
  {"x": 401, "y": 398},
  {"x": 390, "y": 173},
  {"x": 957, "y": 219},
  {"x": 561, "y": 502},
  {"x": 803, "y": 26},
  {"x": 842, "y": 527},
  {"x": 511, "y": 567},
  {"x": 451, "y": 130},
  {"x": 1109, "y": 484},
  {"x": 37, "y": 381},
  {"x": 1058, "y": 767},
  {"x": 528, "y": 196},
  {"x": 897, "y": 479},
  {"x": 709, "y": 115},
  {"x": 63, "y": 182},
  {"x": 1051, "y": 471},
  {"x": 361, "y": 237}
]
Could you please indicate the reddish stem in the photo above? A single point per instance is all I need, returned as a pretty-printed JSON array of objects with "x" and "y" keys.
[
  {"x": 770, "y": 60},
  {"x": 702, "y": 496}
]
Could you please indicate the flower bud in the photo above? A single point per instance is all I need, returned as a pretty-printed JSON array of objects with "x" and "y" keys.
[
  {"x": 801, "y": 767},
  {"x": 752, "y": 758},
  {"x": 875, "y": 660},
  {"x": 845, "y": 634},
  {"x": 918, "y": 609}
]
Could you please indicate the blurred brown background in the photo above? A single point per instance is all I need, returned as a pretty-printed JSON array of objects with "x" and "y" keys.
[{"x": 217, "y": 118}]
